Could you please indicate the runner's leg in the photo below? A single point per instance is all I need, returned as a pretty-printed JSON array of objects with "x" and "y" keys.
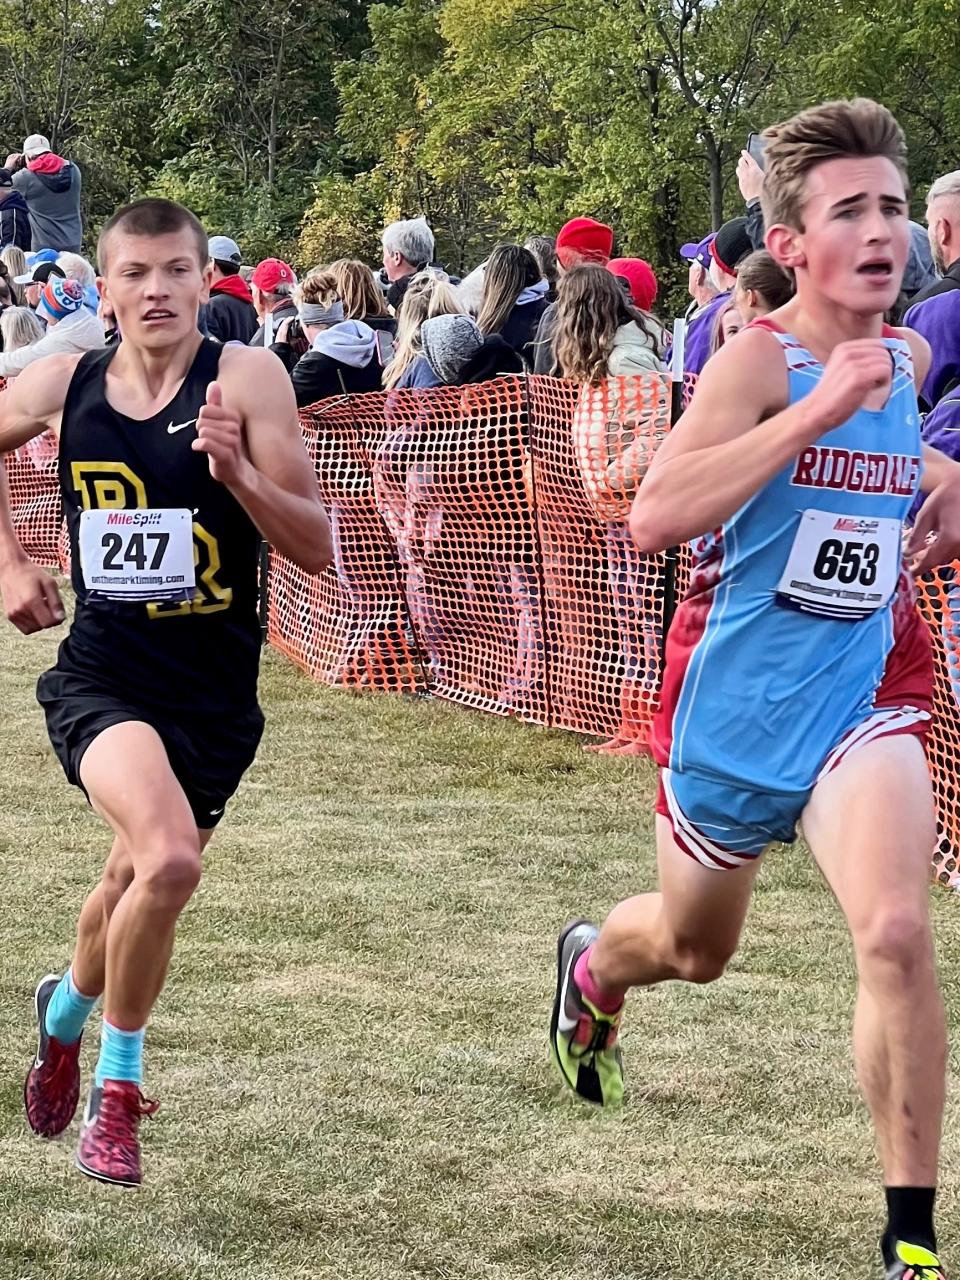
[
  {"x": 688, "y": 929},
  {"x": 870, "y": 824},
  {"x": 128, "y": 777},
  {"x": 90, "y": 956}
]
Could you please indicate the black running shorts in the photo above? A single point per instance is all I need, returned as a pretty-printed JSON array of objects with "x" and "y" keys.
[{"x": 208, "y": 753}]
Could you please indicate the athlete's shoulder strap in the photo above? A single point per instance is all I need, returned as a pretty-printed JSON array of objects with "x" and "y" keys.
[
  {"x": 207, "y": 361},
  {"x": 89, "y": 371},
  {"x": 771, "y": 326},
  {"x": 798, "y": 358}
]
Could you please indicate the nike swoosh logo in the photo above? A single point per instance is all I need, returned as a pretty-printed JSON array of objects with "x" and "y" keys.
[
  {"x": 172, "y": 430},
  {"x": 564, "y": 1021},
  {"x": 215, "y": 812}
]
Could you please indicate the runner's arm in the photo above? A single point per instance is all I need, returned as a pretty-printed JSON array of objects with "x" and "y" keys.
[
  {"x": 33, "y": 402},
  {"x": 736, "y": 435},
  {"x": 272, "y": 478}
]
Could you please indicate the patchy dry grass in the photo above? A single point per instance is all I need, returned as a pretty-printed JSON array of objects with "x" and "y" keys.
[{"x": 351, "y": 1050}]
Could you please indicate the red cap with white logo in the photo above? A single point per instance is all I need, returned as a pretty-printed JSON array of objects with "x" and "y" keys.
[{"x": 272, "y": 272}]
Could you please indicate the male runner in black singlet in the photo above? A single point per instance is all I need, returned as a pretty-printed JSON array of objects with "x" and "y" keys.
[{"x": 174, "y": 452}]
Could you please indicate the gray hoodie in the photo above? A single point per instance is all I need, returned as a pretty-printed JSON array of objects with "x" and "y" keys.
[
  {"x": 53, "y": 203},
  {"x": 350, "y": 342}
]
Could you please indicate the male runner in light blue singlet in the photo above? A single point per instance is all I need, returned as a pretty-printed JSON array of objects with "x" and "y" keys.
[{"x": 798, "y": 677}]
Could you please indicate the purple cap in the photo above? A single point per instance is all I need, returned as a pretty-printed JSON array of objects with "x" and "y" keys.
[{"x": 699, "y": 252}]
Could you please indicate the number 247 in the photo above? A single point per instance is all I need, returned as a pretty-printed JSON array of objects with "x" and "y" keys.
[{"x": 136, "y": 551}]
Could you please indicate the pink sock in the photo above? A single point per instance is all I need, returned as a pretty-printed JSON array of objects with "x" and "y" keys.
[{"x": 606, "y": 1000}]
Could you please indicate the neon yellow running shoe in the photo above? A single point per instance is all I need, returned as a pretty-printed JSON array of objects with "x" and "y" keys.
[
  {"x": 913, "y": 1262},
  {"x": 583, "y": 1038}
]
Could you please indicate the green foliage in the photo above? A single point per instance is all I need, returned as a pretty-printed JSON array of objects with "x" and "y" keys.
[
  {"x": 344, "y": 220},
  {"x": 303, "y": 126}
]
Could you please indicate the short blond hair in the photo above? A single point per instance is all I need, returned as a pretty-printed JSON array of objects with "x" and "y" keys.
[{"x": 831, "y": 131}]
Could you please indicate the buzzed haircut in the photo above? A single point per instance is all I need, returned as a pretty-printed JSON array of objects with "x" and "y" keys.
[
  {"x": 831, "y": 131},
  {"x": 154, "y": 217}
]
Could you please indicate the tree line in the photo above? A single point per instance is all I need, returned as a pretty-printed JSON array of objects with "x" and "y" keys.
[{"x": 302, "y": 126}]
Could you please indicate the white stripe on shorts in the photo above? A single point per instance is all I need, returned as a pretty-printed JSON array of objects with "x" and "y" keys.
[
  {"x": 879, "y": 724},
  {"x": 704, "y": 850}
]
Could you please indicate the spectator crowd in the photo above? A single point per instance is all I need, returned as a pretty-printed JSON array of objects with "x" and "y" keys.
[{"x": 567, "y": 305}]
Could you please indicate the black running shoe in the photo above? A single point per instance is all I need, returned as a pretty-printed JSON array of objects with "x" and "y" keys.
[{"x": 52, "y": 1088}]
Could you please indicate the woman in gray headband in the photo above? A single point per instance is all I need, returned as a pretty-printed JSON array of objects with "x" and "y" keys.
[{"x": 343, "y": 356}]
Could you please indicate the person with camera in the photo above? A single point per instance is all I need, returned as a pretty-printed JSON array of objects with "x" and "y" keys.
[
  {"x": 342, "y": 357},
  {"x": 271, "y": 287},
  {"x": 51, "y": 188}
]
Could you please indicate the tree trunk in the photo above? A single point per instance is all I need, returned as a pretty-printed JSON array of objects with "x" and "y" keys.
[
  {"x": 715, "y": 169},
  {"x": 272, "y": 143}
]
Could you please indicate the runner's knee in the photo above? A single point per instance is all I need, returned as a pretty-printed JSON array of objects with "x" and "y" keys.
[
  {"x": 700, "y": 960},
  {"x": 172, "y": 872},
  {"x": 894, "y": 945}
]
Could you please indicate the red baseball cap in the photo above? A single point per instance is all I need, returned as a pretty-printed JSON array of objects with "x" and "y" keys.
[
  {"x": 640, "y": 277},
  {"x": 272, "y": 272},
  {"x": 584, "y": 240}
]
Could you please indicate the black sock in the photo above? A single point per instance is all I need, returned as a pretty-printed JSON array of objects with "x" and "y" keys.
[{"x": 910, "y": 1218}]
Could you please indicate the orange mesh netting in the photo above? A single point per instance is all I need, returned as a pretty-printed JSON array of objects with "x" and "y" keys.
[
  {"x": 350, "y": 625},
  {"x": 35, "y": 501},
  {"x": 939, "y": 599},
  {"x": 603, "y": 599},
  {"x": 482, "y": 553}
]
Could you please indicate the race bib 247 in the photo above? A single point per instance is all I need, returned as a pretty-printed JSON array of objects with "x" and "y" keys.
[{"x": 138, "y": 554}]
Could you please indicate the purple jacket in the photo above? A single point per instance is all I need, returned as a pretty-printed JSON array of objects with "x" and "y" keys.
[
  {"x": 696, "y": 351},
  {"x": 938, "y": 320},
  {"x": 941, "y": 430}
]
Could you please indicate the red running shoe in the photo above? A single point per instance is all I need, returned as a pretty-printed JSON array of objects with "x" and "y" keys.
[
  {"x": 52, "y": 1088},
  {"x": 109, "y": 1147}
]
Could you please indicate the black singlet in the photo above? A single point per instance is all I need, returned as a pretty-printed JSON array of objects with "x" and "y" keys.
[{"x": 200, "y": 656}]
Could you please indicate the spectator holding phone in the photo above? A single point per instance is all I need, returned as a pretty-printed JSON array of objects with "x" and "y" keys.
[
  {"x": 750, "y": 181},
  {"x": 51, "y": 187}
]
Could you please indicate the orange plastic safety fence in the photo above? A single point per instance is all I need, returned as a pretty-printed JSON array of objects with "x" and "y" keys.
[
  {"x": 603, "y": 601},
  {"x": 350, "y": 625},
  {"x": 35, "y": 501},
  {"x": 939, "y": 599},
  {"x": 482, "y": 553}
]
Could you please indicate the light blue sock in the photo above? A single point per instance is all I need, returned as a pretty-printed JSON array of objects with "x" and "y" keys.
[
  {"x": 67, "y": 1011},
  {"x": 121, "y": 1054}
]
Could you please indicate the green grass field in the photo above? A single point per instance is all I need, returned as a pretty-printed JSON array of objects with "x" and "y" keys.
[{"x": 351, "y": 1050}]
